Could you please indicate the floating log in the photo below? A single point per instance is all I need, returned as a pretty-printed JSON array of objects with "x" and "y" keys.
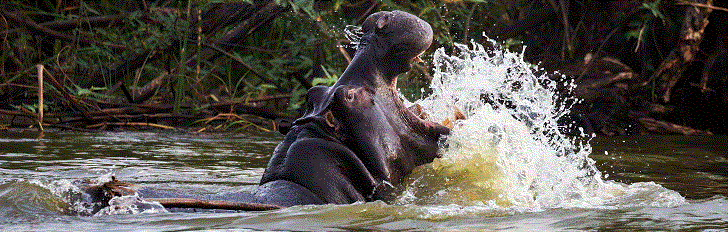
[{"x": 212, "y": 204}]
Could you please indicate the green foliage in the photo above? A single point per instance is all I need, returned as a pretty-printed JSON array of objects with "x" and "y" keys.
[
  {"x": 328, "y": 80},
  {"x": 30, "y": 107},
  {"x": 654, "y": 8},
  {"x": 301, "y": 6},
  {"x": 638, "y": 27},
  {"x": 299, "y": 43},
  {"x": 92, "y": 92}
]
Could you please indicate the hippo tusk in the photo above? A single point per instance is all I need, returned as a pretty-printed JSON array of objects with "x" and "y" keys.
[
  {"x": 457, "y": 115},
  {"x": 417, "y": 59}
]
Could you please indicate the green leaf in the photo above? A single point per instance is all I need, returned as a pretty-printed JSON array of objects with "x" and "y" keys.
[
  {"x": 266, "y": 86},
  {"x": 85, "y": 6},
  {"x": 83, "y": 92},
  {"x": 654, "y": 8},
  {"x": 632, "y": 34},
  {"x": 328, "y": 81}
]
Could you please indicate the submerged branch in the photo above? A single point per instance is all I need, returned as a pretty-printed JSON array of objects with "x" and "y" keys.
[{"x": 211, "y": 204}]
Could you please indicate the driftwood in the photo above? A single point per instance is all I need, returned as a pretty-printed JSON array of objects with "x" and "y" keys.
[
  {"x": 109, "y": 113},
  {"x": 212, "y": 204}
]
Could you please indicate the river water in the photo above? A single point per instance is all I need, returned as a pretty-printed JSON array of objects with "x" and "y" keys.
[
  {"x": 506, "y": 167},
  {"x": 36, "y": 171}
]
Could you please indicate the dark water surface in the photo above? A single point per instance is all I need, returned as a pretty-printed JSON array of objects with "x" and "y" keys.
[{"x": 36, "y": 171}]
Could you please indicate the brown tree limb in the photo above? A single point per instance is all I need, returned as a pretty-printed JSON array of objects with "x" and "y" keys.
[
  {"x": 74, "y": 102},
  {"x": 691, "y": 34},
  {"x": 259, "y": 111},
  {"x": 138, "y": 109},
  {"x": 683, "y": 2},
  {"x": 114, "y": 188},
  {"x": 219, "y": 104},
  {"x": 28, "y": 23},
  {"x": 147, "y": 91},
  {"x": 19, "y": 85},
  {"x": 212, "y": 204},
  {"x": 16, "y": 113},
  {"x": 343, "y": 51}
]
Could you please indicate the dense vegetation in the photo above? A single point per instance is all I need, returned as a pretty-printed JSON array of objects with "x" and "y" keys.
[{"x": 246, "y": 64}]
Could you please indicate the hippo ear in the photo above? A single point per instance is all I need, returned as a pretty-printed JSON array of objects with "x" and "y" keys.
[
  {"x": 383, "y": 21},
  {"x": 331, "y": 121}
]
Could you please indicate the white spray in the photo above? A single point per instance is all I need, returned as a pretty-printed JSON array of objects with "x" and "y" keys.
[{"x": 510, "y": 150}]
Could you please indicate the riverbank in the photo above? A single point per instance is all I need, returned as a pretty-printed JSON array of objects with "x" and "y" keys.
[{"x": 655, "y": 67}]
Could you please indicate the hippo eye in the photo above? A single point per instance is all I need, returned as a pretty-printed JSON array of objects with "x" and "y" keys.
[{"x": 350, "y": 95}]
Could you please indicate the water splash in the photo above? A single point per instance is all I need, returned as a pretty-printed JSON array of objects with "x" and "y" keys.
[
  {"x": 35, "y": 197},
  {"x": 510, "y": 150},
  {"x": 353, "y": 33}
]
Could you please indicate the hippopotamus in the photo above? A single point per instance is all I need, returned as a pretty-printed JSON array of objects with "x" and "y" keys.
[{"x": 356, "y": 139}]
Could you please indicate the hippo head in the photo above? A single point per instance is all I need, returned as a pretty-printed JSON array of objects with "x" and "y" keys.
[
  {"x": 369, "y": 137},
  {"x": 398, "y": 39}
]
